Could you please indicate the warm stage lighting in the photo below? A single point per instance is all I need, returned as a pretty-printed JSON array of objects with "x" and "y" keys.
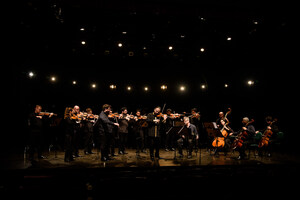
[
  {"x": 164, "y": 87},
  {"x": 226, "y": 85},
  {"x": 112, "y": 87},
  {"x": 74, "y": 82},
  {"x": 202, "y": 49},
  {"x": 31, "y": 74},
  {"x": 182, "y": 88},
  {"x": 250, "y": 83},
  {"x": 146, "y": 88},
  {"x": 82, "y": 29},
  {"x": 170, "y": 48},
  {"x": 203, "y": 86},
  {"x": 83, "y": 42},
  {"x": 120, "y": 44},
  {"x": 129, "y": 88},
  {"x": 53, "y": 79},
  {"x": 228, "y": 38},
  {"x": 93, "y": 85}
]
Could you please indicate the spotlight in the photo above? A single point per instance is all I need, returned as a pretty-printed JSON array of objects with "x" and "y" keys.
[
  {"x": 226, "y": 85},
  {"x": 74, "y": 82},
  {"x": 120, "y": 44},
  {"x": 164, "y": 87},
  {"x": 93, "y": 85},
  {"x": 129, "y": 88},
  {"x": 31, "y": 74},
  {"x": 83, "y": 42},
  {"x": 112, "y": 87},
  {"x": 203, "y": 86},
  {"x": 146, "y": 88},
  {"x": 202, "y": 49},
  {"x": 250, "y": 82},
  {"x": 170, "y": 48},
  {"x": 229, "y": 38},
  {"x": 182, "y": 88},
  {"x": 82, "y": 29},
  {"x": 53, "y": 78}
]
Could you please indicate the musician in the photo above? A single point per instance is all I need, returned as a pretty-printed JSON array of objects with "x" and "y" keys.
[
  {"x": 249, "y": 129},
  {"x": 154, "y": 121},
  {"x": 36, "y": 133},
  {"x": 69, "y": 125},
  {"x": 221, "y": 117},
  {"x": 124, "y": 120},
  {"x": 103, "y": 130},
  {"x": 88, "y": 131},
  {"x": 270, "y": 125},
  {"x": 168, "y": 126},
  {"x": 138, "y": 132},
  {"x": 77, "y": 128},
  {"x": 195, "y": 119},
  {"x": 227, "y": 140},
  {"x": 191, "y": 137}
]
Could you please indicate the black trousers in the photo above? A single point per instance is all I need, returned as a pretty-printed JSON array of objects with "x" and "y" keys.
[
  {"x": 35, "y": 143},
  {"x": 68, "y": 147},
  {"x": 154, "y": 143},
  {"x": 191, "y": 141},
  {"x": 123, "y": 137}
]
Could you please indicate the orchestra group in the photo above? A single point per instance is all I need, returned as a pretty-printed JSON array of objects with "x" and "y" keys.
[{"x": 150, "y": 132}]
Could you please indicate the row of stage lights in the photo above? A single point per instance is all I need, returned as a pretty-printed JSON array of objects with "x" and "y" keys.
[{"x": 129, "y": 88}]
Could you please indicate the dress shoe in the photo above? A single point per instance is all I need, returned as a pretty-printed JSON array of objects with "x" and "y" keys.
[{"x": 104, "y": 159}]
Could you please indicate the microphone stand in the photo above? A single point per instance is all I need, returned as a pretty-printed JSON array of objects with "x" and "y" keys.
[{"x": 177, "y": 142}]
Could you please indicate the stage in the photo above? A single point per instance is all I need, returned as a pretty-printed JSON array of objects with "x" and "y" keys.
[{"x": 132, "y": 177}]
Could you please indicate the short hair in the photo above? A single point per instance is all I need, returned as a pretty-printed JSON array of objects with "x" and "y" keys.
[
  {"x": 194, "y": 109},
  {"x": 106, "y": 106},
  {"x": 88, "y": 110},
  {"x": 186, "y": 118},
  {"x": 246, "y": 119},
  {"x": 169, "y": 110},
  {"x": 157, "y": 107},
  {"x": 269, "y": 119}
]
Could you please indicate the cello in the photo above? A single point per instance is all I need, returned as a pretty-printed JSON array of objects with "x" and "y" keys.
[
  {"x": 266, "y": 136},
  {"x": 238, "y": 142},
  {"x": 220, "y": 141}
]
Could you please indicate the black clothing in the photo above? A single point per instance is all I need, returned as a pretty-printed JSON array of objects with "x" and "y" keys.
[
  {"x": 103, "y": 132},
  {"x": 36, "y": 135},
  {"x": 154, "y": 134},
  {"x": 69, "y": 126},
  {"x": 190, "y": 134}
]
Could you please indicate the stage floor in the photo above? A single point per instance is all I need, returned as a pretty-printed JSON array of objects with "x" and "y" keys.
[
  {"x": 203, "y": 157},
  {"x": 132, "y": 177}
]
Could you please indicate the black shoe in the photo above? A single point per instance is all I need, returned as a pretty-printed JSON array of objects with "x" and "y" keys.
[
  {"x": 189, "y": 156},
  {"x": 121, "y": 152}
]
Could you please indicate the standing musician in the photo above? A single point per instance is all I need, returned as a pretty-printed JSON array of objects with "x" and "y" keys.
[
  {"x": 124, "y": 120},
  {"x": 138, "y": 132},
  {"x": 103, "y": 130},
  {"x": 195, "y": 119},
  {"x": 36, "y": 132},
  {"x": 88, "y": 131},
  {"x": 222, "y": 117},
  {"x": 69, "y": 125},
  {"x": 191, "y": 137},
  {"x": 78, "y": 116},
  {"x": 168, "y": 126},
  {"x": 226, "y": 131},
  {"x": 247, "y": 131},
  {"x": 154, "y": 121}
]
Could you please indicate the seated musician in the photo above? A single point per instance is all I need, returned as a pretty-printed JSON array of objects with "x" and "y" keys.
[
  {"x": 191, "y": 137},
  {"x": 243, "y": 135},
  {"x": 271, "y": 129}
]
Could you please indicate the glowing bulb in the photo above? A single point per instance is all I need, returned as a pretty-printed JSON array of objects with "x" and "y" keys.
[
  {"x": 31, "y": 74},
  {"x": 202, "y": 49},
  {"x": 53, "y": 78},
  {"x": 74, "y": 82},
  {"x": 203, "y": 86},
  {"x": 120, "y": 44},
  {"x": 170, "y": 48},
  {"x": 94, "y": 85},
  {"x": 182, "y": 88},
  {"x": 146, "y": 88},
  {"x": 163, "y": 87},
  {"x": 83, "y": 42}
]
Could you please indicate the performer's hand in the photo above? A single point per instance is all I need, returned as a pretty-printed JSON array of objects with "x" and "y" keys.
[
  {"x": 197, "y": 137},
  {"x": 40, "y": 117},
  {"x": 116, "y": 124}
]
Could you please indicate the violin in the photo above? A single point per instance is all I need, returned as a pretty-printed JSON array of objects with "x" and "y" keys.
[
  {"x": 46, "y": 114},
  {"x": 113, "y": 115}
]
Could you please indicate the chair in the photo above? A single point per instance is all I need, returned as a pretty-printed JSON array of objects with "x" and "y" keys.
[{"x": 253, "y": 144}]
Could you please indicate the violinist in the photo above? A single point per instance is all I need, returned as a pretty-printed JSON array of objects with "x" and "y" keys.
[
  {"x": 69, "y": 124},
  {"x": 103, "y": 131},
  {"x": 154, "y": 121},
  {"x": 195, "y": 119},
  {"x": 36, "y": 133},
  {"x": 168, "y": 126},
  {"x": 124, "y": 120},
  {"x": 77, "y": 116},
  {"x": 88, "y": 130},
  {"x": 138, "y": 132},
  {"x": 190, "y": 138}
]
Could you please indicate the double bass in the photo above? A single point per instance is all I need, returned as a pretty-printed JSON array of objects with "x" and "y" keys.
[{"x": 220, "y": 141}]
